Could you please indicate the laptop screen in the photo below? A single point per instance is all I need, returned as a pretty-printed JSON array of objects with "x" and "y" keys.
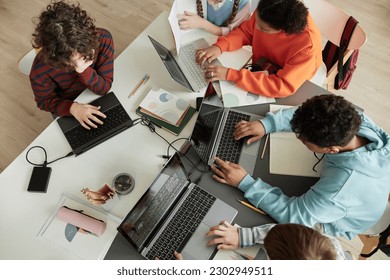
[
  {"x": 171, "y": 64},
  {"x": 207, "y": 125},
  {"x": 149, "y": 212}
]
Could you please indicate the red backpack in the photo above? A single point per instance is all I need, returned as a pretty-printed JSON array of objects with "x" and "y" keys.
[{"x": 332, "y": 54}]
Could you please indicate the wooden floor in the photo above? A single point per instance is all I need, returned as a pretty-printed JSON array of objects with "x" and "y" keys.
[{"x": 21, "y": 122}]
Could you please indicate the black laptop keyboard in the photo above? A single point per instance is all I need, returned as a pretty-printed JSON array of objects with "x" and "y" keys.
[
  {"x": 182, "y": 225},
  {"x": 79, "y": 136},
  {"x": 229, "y": 149},
  {"x": 157, "y": 208}
]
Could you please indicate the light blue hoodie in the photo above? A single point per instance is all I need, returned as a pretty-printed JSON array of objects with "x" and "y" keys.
[{"x": 351, "y": 194}]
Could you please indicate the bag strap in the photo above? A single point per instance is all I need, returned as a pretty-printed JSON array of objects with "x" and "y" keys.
[{"x": 344, "y": 42}]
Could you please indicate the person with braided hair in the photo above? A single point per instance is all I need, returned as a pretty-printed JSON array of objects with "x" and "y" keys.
[
  {"x": 218, "y": 17},
  {"x": 284, "y": 40}
]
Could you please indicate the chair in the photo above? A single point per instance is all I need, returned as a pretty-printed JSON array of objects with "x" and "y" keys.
[
  {"x": 331, "y": 22},
  {"x": 377, "y": 236},
  {"x": 25, "y": 63}
]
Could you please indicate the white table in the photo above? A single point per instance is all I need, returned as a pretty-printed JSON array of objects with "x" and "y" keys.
[{"x": 136, "y": 151}]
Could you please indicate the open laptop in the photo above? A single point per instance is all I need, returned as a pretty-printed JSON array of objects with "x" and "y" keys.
[
  {"x": 183, "y": 68},
  {"x": 174, "y": 215},
  {"x": 81, "y": 139},
  {"x": 212, "y": 135}
]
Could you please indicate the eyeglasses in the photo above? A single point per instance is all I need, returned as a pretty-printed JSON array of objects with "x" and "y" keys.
[{"x": 318, "y": 161}]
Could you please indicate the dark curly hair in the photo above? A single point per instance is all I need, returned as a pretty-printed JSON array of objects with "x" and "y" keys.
[
  {"x": 63, "y": 29},
  {"x": 298, "y": 242},
  {"x": 287, "y": 15},
  {"x": 326, "y": 120}
]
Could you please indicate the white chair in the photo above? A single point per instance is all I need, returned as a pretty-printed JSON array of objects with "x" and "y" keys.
[
  {"x": 375, "y": 237},
  {"x": 331, "y": 21},
  {"x": 25, "y": 63}
]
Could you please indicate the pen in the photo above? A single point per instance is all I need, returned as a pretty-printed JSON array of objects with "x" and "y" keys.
[
  {"x": 251, "y": 207},
  {"x": 265, "y": 146},
  {"x": 143, "y": 80},
  {"x": 242, "y": 256}
]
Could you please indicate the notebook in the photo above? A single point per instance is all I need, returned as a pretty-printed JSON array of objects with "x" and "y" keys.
[
  {"x": 174, "y": 215},
  {"x": 183, "y": 68},
  {"x": 289, "y": 156},
  {"x": 176, "y": 130},
  {"x": 212, "y": 135},
  {"x": 81, "y": 139}
]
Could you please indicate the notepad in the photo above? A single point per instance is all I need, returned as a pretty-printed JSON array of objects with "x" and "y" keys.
[{"x": 289, "y": 156}]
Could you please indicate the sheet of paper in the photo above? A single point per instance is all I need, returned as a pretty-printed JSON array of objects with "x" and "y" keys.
[
  {"x": 234, "y": 96},
  {"x": 174, "y": 23},
  {"x": 71, "y": 238},
  {"x": 178, "y": 8}
]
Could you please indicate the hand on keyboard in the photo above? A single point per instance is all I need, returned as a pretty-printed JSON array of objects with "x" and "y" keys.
[
  {"x": 227, "y": 236},
  {"x": 215, "y": 73},
  {"x": 228, "y": 173},
  {"x": 87, "y": 115},
  {"x": 207, "y": 55},
  {"x": 255, "y": 129}
]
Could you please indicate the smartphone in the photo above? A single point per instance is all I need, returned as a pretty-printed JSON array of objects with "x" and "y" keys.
[{"x": 39, "y": 179}]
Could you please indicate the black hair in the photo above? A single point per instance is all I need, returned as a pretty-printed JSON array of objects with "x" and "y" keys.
[
  {"x": 326, "y": 120},
  {"x": 287, "y": 15}
]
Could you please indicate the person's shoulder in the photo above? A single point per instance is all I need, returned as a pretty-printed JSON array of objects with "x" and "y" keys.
[
  {"x": 104, "y": 33},
  {"x": 39, "y": 68}
]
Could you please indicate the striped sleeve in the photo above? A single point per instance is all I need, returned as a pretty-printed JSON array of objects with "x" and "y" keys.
[
  {"x": 99, "y": 78},
  {"x": 255, "y": 235},
  {"x": 47, "y": 90}
]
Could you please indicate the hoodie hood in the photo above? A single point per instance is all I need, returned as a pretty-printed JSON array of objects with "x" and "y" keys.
[{"x": 373, "y": 159}]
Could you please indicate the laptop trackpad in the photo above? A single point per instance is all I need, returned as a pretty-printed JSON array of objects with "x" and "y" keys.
[
  {"x": 249, "y": 156},
  {"x": 196, "y": 248}
]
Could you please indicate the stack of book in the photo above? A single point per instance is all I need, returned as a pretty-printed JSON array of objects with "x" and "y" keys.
[{"x": 166, "y": 110}]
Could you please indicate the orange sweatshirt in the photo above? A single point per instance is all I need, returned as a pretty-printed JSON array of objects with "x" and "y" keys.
[{"x": 299, "y": 55}]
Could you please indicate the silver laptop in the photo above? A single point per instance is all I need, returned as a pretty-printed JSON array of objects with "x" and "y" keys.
[
  {"x": 183, "y": 68},
  {"x": 174, "y": 215},
  {"x": 212, "y": 135}
]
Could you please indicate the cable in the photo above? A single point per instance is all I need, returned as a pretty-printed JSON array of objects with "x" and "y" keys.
[
  {"x": 146, "y": 122},
  {"x": 45, "y": 163}
]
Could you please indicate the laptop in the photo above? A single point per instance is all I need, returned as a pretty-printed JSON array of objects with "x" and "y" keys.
[
  {"x": 212, "y": 135},
  {"x": 81, "y": 139},
  {"x": 174, "y": 215},
  {"x": 183, "y": 68}
]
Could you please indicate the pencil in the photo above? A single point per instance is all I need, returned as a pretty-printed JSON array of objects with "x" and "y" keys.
[
  {"x": 251, "y": 207},
  {"x": 143, "y": 80},
  {"x": 242, "y": 256},
  {"x": 265, "y": 146}
]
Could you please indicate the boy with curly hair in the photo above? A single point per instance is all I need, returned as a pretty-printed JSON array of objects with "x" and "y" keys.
[
  {"x": 74, "y": 55},
  {"x": 352, "y": 192},
  {"x": 284, "y": 40}
]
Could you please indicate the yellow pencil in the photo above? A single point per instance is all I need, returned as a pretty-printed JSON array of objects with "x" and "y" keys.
[
  {"x": 251, "y": 207},
  {"x": 265, "y": 146},
  {"x": 143, "y": 80}
]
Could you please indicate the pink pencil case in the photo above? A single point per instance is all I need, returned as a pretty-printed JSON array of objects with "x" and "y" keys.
[{"x": 81, "y": 220}]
